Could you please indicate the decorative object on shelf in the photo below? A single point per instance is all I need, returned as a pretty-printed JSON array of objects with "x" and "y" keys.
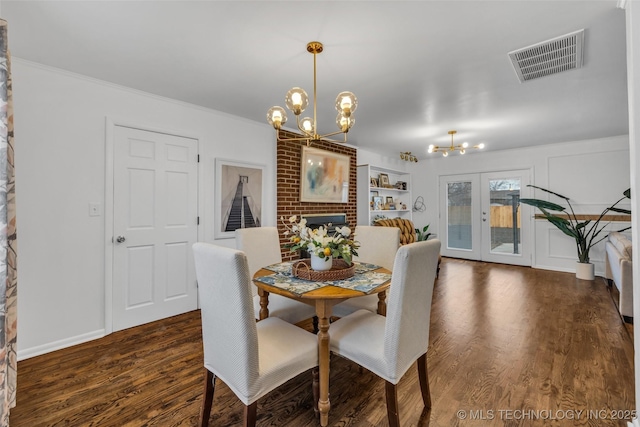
[
  {"x": 585, "y": 233},
  {"x": 374, "y": 182},
  {"x": 462, "y": 148},
  {"x": 389, "y": 199},
  {"x": 377, "y": 203},
  {"x": 407, "y": 156},
  {"x": 317, "y": 241},
  {"x": 384, "y": 180},
  {"x": 324, "y": 176},
  {"x": 338, "y": 270},
  {"x": 297, "y": 100}
]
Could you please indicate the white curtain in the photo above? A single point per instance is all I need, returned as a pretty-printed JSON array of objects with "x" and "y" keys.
[{"x": 8, "y": 242}]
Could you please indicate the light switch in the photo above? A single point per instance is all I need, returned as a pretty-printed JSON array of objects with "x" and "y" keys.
[{"x": 95, "y": 209}]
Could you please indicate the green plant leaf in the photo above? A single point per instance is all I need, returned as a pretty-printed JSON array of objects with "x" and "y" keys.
[
  {"x": 620, "y": 210},
  {"x": 548, "y": 191},
  {"x": 543, "y": 204}
]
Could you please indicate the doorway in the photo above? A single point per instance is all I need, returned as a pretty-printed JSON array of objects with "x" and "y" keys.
[
  {"x": 481, "y": 217},
  {"x": 154, "y": 217}
]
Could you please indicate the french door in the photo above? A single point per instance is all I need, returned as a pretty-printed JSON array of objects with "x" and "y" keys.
[{"x": 480, "y": 217}]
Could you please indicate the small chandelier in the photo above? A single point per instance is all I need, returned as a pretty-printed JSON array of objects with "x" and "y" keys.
[
  {"x": 462, "y": 148},
  {"x": 297, "y": 100},
  {"x": 407, "y": 156}
]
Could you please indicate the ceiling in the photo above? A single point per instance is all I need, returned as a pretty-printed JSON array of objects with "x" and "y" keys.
[{"x": 418, "y": 68}]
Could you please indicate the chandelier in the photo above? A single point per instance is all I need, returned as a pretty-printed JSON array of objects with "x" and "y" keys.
[
  {"x": 297, "y": 100},
  {"x": 408, "y": 157},
  {"x": 462, "y": 148}
]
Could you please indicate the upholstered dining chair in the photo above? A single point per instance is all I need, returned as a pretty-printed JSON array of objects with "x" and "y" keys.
[
  {"x": 378, "y": 245},
  {"x": 407, "y": 232},
  {"x": 388, "y": 346},
  {"x": 252, "y": 358},
  {"x": 262, "y": 247},
  {"x": 407, "y": 229}
]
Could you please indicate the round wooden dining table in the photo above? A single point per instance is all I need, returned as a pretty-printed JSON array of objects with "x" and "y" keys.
[{"x": 323, "y": 298}]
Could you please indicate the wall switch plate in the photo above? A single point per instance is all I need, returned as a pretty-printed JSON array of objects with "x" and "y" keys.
[{"x": 95, "y": 209}]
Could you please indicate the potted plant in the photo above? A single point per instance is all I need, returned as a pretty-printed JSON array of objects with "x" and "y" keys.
[
  {"x": 321, "y": 246},
  {"x": 587, "y": 233},
  {"x": 422, "y": 234}
]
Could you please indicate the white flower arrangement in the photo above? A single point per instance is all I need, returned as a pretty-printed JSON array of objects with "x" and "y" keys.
[{"x": 317, "y": 240}]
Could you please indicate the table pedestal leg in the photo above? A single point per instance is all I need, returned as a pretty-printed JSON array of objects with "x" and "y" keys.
[{"x": 324, "y": 314}]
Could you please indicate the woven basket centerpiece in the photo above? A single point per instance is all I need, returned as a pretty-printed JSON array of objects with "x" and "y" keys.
[{"x": 339, "y": 270}]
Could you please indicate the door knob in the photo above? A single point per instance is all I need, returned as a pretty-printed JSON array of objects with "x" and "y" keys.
[{"x": 120, "y": 239}]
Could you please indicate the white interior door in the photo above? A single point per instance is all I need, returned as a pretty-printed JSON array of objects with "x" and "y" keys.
[
  {"x": 480, "y": 217},
  {"x": 155, "y": 225}
]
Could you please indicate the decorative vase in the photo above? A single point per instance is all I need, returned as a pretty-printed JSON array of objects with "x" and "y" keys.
[
  {"x": 320, "y": 263},
  {"x": 585, "y": 271}
]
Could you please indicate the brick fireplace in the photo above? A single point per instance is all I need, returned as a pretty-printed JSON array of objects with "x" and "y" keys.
[{"x": 288, "y": 186}]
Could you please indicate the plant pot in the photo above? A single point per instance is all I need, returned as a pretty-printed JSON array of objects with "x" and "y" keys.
[
  {"x": 320, "y": 263},
  {"x": 585, "y": 271}
]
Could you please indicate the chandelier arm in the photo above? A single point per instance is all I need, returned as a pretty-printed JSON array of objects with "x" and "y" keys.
[
  {"x": 331, "y": 134},
  {"x": 292, "y": 139}
]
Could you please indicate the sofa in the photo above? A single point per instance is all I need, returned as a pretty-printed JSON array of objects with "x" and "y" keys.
[{"x": 618, "y": 271}]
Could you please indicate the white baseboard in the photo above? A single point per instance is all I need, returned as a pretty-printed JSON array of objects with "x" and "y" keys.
[{"x": 58, "y": 345}]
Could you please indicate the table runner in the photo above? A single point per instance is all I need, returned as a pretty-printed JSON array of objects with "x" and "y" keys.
[{"x": 364, "y": 280}]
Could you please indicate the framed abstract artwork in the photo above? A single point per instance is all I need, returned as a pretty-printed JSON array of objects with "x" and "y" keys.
[
  {"x": 324, "y": 176},
  {"x": 239, "y": 192}
]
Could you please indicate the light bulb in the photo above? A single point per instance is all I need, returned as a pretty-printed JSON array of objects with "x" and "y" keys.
[
  {"x": 344, "y": 123},
  {"x": 276, "y": 116},
  {"x": 465, "y": 144},
  {"x": 462, "y": 151},
  {"x": 296, "y": 100},
  {"x": 445, "y": 153},
  {"x": 431, "y": 147},
  {"x": 481, "y": 146},
  {"x": 346, "y": 103},
  {"x": 307, "y": 125}
]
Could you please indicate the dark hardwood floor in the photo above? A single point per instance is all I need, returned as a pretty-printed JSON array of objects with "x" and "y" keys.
[{"x": 510, "y": 346}]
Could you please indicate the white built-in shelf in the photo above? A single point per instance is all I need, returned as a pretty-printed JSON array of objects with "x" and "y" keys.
[{"x": 366, "y": 193}]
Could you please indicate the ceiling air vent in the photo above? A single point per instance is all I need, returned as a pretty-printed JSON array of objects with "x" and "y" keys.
[{"x": 550, "y": 57}]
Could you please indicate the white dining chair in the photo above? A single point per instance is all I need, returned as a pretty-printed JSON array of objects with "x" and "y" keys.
[
  {"x": 378, "y": 245},
  {"x": 388, "y": 346},
  {"x": 262, "y": 247},
  {"x": 252, "y": 358}
]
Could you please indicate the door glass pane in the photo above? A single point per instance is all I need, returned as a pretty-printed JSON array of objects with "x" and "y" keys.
[
  {"x": 459, "y": 215},
  {"x": 505, "y": 215}
]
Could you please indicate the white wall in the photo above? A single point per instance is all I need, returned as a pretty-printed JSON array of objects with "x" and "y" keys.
[
  {"x": 592, "y": 173},
  {"x": 60, "y": 168},
  {"x": 632, "y": 15}
]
